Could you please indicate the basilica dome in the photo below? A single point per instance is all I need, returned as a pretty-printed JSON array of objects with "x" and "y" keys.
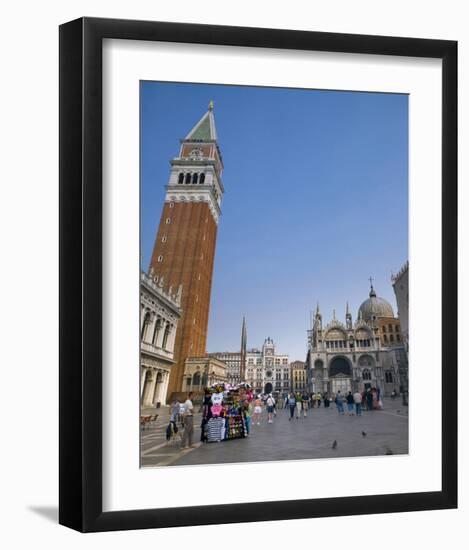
[{"x": 375, "y": 307}]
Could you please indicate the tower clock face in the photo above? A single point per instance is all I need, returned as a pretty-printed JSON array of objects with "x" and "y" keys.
[
  {"x": 196, "y": 154},
  {"x": 269, "y": 374}
]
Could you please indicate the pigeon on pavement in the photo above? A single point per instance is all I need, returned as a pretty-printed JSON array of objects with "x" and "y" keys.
[
  {"x": 364, "y": 434},
  {"x": 334, "y": 445}
]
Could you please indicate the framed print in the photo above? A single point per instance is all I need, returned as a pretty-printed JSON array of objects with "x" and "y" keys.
[{"x": 258, "y": 274}]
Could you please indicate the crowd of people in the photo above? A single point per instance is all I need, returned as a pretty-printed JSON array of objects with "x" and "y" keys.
[{"x": 298, "y": 404}]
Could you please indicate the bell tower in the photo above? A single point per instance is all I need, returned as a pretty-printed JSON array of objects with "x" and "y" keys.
[{"x": 184, "y": 249}]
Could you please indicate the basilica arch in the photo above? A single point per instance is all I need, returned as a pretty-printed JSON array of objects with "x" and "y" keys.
[
  {"x": 340, "y": 365},
  {"x": 340, "y": 375}
]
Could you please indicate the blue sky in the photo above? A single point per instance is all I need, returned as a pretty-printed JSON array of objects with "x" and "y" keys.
[{"x": 316, "y": 201}]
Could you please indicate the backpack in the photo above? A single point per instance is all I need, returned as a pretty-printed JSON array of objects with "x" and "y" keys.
[{"x": 270, "y": 402}]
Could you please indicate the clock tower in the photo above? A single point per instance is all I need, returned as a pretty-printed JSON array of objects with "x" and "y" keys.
[{"x": 184, "y": 249}]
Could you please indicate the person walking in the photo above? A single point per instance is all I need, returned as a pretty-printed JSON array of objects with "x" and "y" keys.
[
  {"x": 188, "y": 422},
  {"x": 318, "y": 398},
  {"x": 270, "y": 408},
  {"x": 305, "y": 403},
  {"x": 257, "y": 411},
  {"x": 369, "y": 399},
  {"x": 357, "y": 398},
  {"x": 292, "y": 405},
  {"x": 247, "y": 409},
  {"x": 298, "y": 404},
  {"x": 326, "y": 400},
  {"x": 350, "y": 403},
  {"x": 313, "y": 400},
  {"x": 339, "y": 403}
]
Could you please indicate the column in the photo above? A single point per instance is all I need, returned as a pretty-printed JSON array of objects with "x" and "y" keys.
[
  {"x": 150, "y": 392},
  {"x": 143, "y": 375},
  {"x": 171, "y": 340},
  {"x": 164, "y": 388}
]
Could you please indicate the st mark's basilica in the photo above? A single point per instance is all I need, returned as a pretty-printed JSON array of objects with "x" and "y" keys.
[{"x": 356, "y": 355}]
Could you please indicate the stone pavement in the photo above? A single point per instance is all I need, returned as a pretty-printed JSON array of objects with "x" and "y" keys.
[
  {"x": 311, "y": 437},
  {"x": 154, "y": 449}
]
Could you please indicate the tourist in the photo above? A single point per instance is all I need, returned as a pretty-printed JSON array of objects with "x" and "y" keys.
[
  {"x": 318, "y": 399},
  {"x": 357, "y": 400},
  {"x": 247, "y": 417},
  {"x": 313, "y": 400},
  {"x": 292, "y": 405},
  {"x": 379, "y": 404},
  {"x": 393, "y": 394},
  {"x": 298, "y": 404},
  {"x": 369, "y": 399},
  {"x": 350, "y": 403},
  {"x": 174, "y": 412},
  {"x": 326, "y": 400},
  {"x": 270, "y": 408},
  {"x": 305, "y": 403},
  {"x": 339, "y": 403},
  {"x": 257, "y": 411},
  {"x": 188, "y": 422}
]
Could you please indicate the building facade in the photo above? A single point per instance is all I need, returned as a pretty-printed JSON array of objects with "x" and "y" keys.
[
  {"x": 184, "y": 249},
  {"x": 266, "y": 370},
  {"x": 400, "y": 284},
  {"x": 299, "y": 381},
  {"x": 159, "y": 317},
  {"x": 201, "y": 372},
  {"x": 357, "y": 355}
]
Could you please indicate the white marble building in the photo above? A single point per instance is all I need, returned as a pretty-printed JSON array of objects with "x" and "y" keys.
[
  {"x": 357, "y": 355},
  {"x": 159, "y": 315}
]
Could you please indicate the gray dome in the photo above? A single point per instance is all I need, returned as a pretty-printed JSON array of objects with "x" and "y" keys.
[{"x": 375, "y": 307}]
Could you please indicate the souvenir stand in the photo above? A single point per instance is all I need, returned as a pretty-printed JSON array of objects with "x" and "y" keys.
[{"x": 224, "y": 412}]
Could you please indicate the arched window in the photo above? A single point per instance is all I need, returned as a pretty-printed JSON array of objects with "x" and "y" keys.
[
  {"x": 181, "y": 178},
  {"x": 195, "y": 178},
  {"x": 146, "y": 322},
  {"x": 388, "y": 377},
  {"x": 366, "y": 375},
  {"x": 391, "y": 337},
  {"x": 196, "y": 379},
  {"x": 165, "y": 336},
  {"x": 188, "y": 178},
  {"x": 202, "y": 178},
  {"x": 386, "y": 338},
  {"x": 156, "y": 331}
]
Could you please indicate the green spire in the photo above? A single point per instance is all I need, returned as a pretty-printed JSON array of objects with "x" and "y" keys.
[
  {"x": 202, "y": 131},
  {"x": 205, "y": 129}
]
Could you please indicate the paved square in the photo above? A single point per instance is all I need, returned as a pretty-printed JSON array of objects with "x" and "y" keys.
[{"x": 305, "y": 438}]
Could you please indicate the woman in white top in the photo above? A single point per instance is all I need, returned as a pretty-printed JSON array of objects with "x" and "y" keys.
[{"x": 257, "y": 411}]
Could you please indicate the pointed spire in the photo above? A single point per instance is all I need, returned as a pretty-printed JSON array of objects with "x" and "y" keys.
[
  {"x": 347, "y": 310},
  {"x": 205, "y": 129},
  {"x": 333, "y": 314},
  {"x": 242, "y": 370}
]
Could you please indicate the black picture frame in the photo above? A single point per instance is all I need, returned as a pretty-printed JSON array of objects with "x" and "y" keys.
[{"x": 80, "y": 316}]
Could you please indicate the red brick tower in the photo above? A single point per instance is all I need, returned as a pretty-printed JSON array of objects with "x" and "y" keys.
[{"x": 184, "y": 248}]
